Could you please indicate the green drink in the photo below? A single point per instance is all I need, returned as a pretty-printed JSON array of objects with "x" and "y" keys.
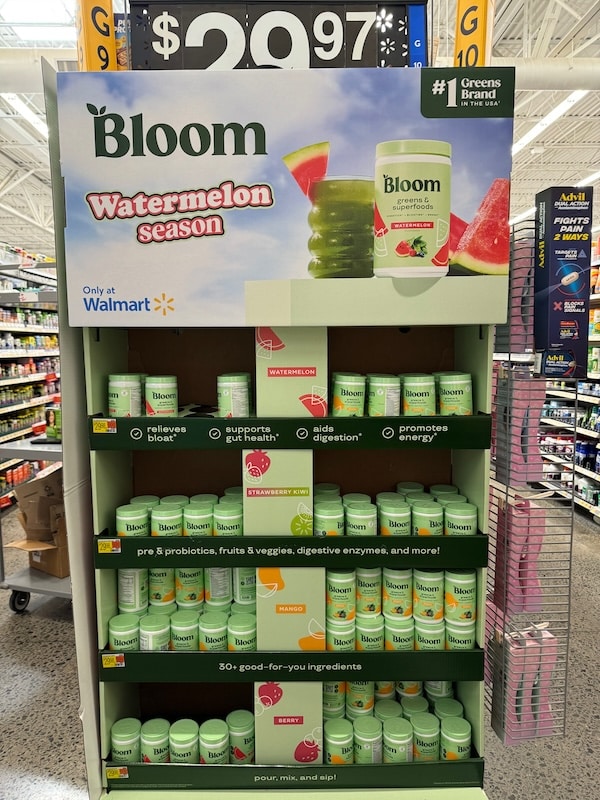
[{"x": 341, "y": 221}]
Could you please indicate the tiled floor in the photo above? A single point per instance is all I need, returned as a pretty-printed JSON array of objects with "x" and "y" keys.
[{"x": 41, "y": 752}]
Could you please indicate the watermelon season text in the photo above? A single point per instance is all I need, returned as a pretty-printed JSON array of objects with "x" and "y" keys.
[{"x": 162, "y": 140}]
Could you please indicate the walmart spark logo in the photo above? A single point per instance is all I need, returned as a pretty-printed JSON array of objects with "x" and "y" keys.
[{"x": 164, "y": 304}]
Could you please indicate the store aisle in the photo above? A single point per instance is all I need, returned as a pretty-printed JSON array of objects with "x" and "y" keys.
[{"x": 41, "y": 752}]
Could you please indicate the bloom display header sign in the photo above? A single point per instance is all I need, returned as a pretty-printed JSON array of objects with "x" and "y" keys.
[{"x": 181, "y": 187}]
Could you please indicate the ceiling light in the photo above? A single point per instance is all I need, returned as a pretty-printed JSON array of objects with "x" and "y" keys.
[
  {"x": 24, "y": 111},
  {"x": 589, "y": 180},
  {"x": 523, "y": 215},
  {"x": 544, "y": 123}
]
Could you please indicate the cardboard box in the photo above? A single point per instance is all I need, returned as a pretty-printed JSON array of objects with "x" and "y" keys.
[
  {"x": 288, "y": 723},
  {"x": 50, "y": 556},
  {"x": 290, "y": 608},
  {"x": 291, "y": 372},
  {"x": 36, "y": 499}
]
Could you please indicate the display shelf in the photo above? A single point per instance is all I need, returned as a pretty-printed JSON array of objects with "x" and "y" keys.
[
  {"x": 466, "y": 773},
  {"x": 193, "y": 433},
  {"x": 16, "y": 434},
  {"x": 32, "y": 450},
  {"x": 33, "y": 403},
  {"x": 279, "y": 789},
  {"x": 378, "y": 301},
  {"x": 556, "y": 423},
  {"x": 139, "y": 552},
  {"x": 23, "y": 327},
  {"x": 36, "y": 377},
  {"x": 231, "y": 667},
  {"x": 23, "y": 352}
]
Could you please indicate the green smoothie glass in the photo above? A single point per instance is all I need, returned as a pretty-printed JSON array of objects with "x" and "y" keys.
[{"x": 341, "y": 221}]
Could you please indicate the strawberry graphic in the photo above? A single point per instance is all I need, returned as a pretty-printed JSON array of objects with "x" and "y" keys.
[
  {"x": 257, "y": 463},
  {"x": 270, "y": 693},
  {"x": 306, "y": 751}
]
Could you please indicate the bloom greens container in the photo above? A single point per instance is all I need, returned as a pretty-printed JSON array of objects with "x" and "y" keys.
[
  {"x": 233, "y": 396},
  {"x": 368, "y": 740},
  {"x": 124, "y": 632},
  {"x": 132, "y": 591},
  {"x": 228, "y": 519},
  {"x": 189, "y": 587},
  {"x": 124, "y": 396},
  {"x": 397, "y": 741},
  {"x": 427, "y": 519},
  {"x": 385, "y": 690},
  {"x": 197, "y": 520},
  {"x": 244, "y": 585},
  {"x": 147, "y": 500},
  {"x": 330, "y": 489},
  {"x": 455, "y": 394},
  {"x": 161, "y": 396},
  {"x": 394, "y": 517},
  {"x": 436, "y": 690},
  {"x": 184, "y": 630},
  {"x": 455, "y": 739},
  {"x": 183, "y": 742},
  {"x": 241, "y": 633},
  {"x": 205, "y": 497},
  {"x": 125, "y": 741},
  {"x": 161, "y": 585},
  {"x": 360, "y": 695},
  {"x": 428, "y": 594},
  {"x": 413, "y": 705},
  {"x": 412, "y": 208},
  {"x": 166, "y": 520},
  {"x": 399, "y": 633},
  {"x": 383, "y": 395},
  {"x": 460, "y": 635},
  {"x": 213, "y": 737},
  {"x": 213, "y": 631},
  {"x": 396, "y": 592},
  {"x": 154, "y": 740},
  {"x": 403, "y": 487},
  {"x": 426, "y": 737},
  {"x": 418, "y": 395},
  {"x": 164, "y": 608},
  {"x": 368, "y": 590},
  {"x": 348, "y": 395},
  {"x": 409, "y": 689},
  {"x": 334, "y": 690},
  {"x": 438, "y": 489},
  {"x": 460, "y": 519},
  {"x": 460, "y": 595},
  {"x": 340, "y": 594},
  {"x": 448, "y": 707},
  {"x": 341, "y": 635},
  {"x": 430, "y": 636},
  {"x": 241, "y": 736},
  {"x": 361, "y": 519},
  {"x": 328, "y": 519},
  {"x": 369, "y": 632},
  {"x": 155, "y": 632},
  {"x": 338, "y": 736},
  {"x": 132, "y": 520},
  {"x": 218, "y": 584},
  {"x": 387, "y": 709}
]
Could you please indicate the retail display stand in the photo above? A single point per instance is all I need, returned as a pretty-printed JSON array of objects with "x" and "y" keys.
[{"x": 370, "y": 326}]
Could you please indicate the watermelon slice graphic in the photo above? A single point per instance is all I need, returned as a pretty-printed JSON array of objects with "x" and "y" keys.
[
  {"x": 315, "y": 404},
  {"x": 268, "y": 339},
  {"x": 484, "y": 246},
  {"x": 308, "y": 164},
  {"x": 457, "y": 227}
]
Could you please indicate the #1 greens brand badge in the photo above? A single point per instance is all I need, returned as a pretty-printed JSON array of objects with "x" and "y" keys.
[{"x": 475, "y": 92}]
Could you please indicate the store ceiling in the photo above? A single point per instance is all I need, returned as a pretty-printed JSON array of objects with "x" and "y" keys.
[{"x": 554, "y": 44}]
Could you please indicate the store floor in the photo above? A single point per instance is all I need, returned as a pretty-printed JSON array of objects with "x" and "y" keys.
[{"x": 41, "y": 751}]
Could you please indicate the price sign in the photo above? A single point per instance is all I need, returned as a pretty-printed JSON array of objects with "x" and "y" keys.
[{"x": 295, "y": 35}]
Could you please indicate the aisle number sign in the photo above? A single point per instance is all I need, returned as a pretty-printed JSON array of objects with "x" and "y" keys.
[
  {"x": 474, "y": 28},
  {"x": 96, "y": 50}
]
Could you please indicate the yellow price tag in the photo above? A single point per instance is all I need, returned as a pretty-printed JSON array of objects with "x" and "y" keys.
[
  {"x": 109, "y": 545},
  {"x": 113, "y": 660},
  {"x": 116, "y": 773},
  {"x": 104, "y": 426}
]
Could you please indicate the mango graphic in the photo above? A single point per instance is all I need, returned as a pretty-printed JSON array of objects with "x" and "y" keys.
[
  {"x": 315, "y": 641},
  {"x": 269, "y": 581}
]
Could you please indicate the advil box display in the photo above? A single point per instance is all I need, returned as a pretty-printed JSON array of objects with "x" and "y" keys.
[{"x": 562, "y": 281}]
